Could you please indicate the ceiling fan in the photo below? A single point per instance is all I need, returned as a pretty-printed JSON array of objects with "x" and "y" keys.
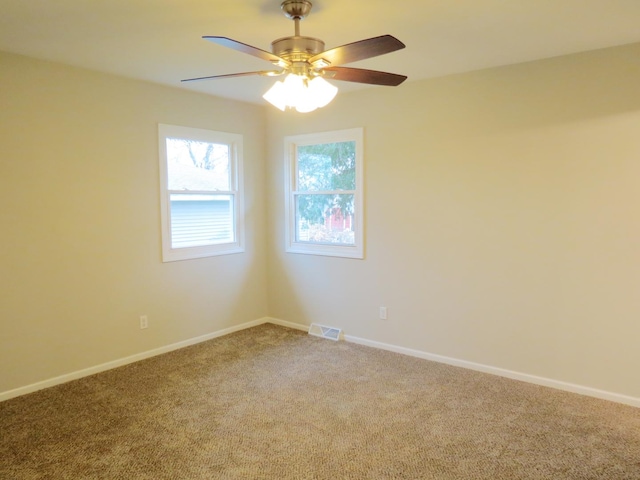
[{"x": 307, "y": 64}]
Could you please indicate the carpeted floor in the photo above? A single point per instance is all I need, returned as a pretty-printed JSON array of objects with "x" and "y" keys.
[{"x": 275, "y": 403}]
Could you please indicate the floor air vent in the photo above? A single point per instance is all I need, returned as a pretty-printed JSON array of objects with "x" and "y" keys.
[{"x": 331, "y": 333}]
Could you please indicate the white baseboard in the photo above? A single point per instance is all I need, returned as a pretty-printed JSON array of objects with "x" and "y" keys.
[
  {"x": 523, "y": 377},
  {"x": 284, "y": 323},
  {"x": 546, "y": 382},
  {"x": 125, "y": 361}
]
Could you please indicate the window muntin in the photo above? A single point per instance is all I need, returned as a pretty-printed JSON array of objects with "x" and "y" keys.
[
  {"x": 201, "y": 192},
  {"x": 324, "y": 193}
]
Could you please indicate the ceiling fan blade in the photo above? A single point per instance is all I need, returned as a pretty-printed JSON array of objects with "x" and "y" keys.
[
  {"x": 244, "y": 48},
  {"x": 360, "y": 75},
  {"x": 352, "y": 52},
  {"x": 229, "y": 75}
]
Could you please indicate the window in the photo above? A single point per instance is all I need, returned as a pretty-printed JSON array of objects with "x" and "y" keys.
[
  {"x": 324, "y": 193},
  {"x": 201, "y": 192}
]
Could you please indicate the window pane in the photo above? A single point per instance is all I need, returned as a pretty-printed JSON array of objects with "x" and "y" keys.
[
  {"x": 325, "y": 218},
  {"x": 327, "y": 166},
  {"x": 195, "y": 165},
  {"x": 198, "y": 220}
]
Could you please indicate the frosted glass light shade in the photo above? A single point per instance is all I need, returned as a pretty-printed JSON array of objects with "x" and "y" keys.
[
  {"x": 295, "y": 89},
  {"x": 305, "y": 102},
  {"x": 322, "y": 91},
  {"x": 277, "y": 96},
  {"x": 299, "y": 93}
]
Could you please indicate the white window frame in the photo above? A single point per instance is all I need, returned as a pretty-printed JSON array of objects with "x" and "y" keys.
[
  {"x": 234, "y": 141},
  {"x": 291, "y": 143}
]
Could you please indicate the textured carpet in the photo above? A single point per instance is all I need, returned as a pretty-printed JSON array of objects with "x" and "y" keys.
[{"x": 275, "y": 403}]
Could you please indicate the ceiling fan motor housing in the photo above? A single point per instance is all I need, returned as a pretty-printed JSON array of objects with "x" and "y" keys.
[{"x": 297, "y": 49}]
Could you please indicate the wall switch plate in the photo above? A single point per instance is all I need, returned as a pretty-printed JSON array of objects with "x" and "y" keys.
[
  {"x": 383, "y": 313},
  {"x": 144, "y": 321}
]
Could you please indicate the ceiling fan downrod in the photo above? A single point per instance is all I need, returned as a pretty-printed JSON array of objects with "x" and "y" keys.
[{"x": 296, "y": 10}]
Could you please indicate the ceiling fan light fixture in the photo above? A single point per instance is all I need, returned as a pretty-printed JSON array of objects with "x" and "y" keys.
[
  {"x": 277, "y": 96},
  {"x": 296, "y": 91},
  {"x": 322, "y": 91},
  {"x": 305, "y": 104}
]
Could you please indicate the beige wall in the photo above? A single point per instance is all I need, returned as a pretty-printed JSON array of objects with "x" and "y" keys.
[
  {"x": 80, "y": 255},
  {"x": 502, "y": 220}
]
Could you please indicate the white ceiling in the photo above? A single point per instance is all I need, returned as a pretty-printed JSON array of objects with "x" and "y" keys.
[{"x": 159, "y": 40}]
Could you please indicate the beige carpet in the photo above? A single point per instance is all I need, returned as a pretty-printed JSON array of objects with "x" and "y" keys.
[{"x": 275, "y": 403}]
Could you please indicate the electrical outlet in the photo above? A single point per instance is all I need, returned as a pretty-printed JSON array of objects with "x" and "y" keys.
[
  {"x": 144, "y": 321},
  {"x": 383, "y": 313}
]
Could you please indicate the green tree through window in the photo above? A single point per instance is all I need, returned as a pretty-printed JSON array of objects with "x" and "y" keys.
[
  {"x": 324, "y": 168},
  {"x": 325, "y": 197}
]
